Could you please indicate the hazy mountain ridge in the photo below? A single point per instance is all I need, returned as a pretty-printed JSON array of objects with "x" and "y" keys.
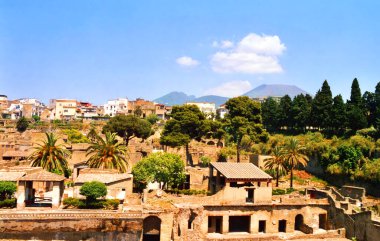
[
  {"x": 179, "y": 98},
  {"x": 274, "y": 90}
]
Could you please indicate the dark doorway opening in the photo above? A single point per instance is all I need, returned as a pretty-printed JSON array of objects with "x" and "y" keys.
[
  {"x": 322, "y": 221},
  {"x": 215, "y": 224},
  {"x": 239, "y": 223},
  {"x": 282, "y": 226},
  {"x": 298, "y": 222},
  {"x": 251, "y": 195},
  {"x": 151, "y": 228},
  {"x": 191, "y": 220},
  {"x": 262, "y": 226}
]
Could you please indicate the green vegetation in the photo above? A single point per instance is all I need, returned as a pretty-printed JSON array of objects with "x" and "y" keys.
[
  {"x": 185, "y": 125},
  {"x": 187, "y": 191},
  {"x": 22, "y": 124},
  {"x": 324, "y": 113},
  {"x": 276, "y": 163},
  {"x": 50, "y": 156},
  {"x": 107, "y": 153},
  {"x": 7, "y": 189},
  {"x": 108, "y": 204},
  {"x": 128, "y": 127},
  {"x": 282, "y": 191},
  {"x": 93, "y": 190},
  {"x": 205, "y": 161},
  {"x": 75, "y": 136},
  {"x": 244, "y": 120},
  {"x": 164, "y": 168}
]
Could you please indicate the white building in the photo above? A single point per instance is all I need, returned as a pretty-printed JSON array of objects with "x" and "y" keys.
[
  {"x": 63, "y": 109},
  {"x": 114, "y": 107},
  {"x": 207, "y": 108}
]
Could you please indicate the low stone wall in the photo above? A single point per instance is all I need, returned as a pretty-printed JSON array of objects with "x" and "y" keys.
[
  {"x": 68, "y": 223},
  {"x": 359, "y": 225}
]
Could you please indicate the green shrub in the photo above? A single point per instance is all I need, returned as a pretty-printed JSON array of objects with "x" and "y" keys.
[
  {"x": 111, "y": 204},
  {"x": 205, "y": 161},
  {"x": 278, "y": 192},
  {"x": 72, "y": 202},
  {"x": 7, "y": 189},
  {"x": 93, "y": 190},
  {"x": 290, "y": 190},
  {"x": 8, "y": 203}
]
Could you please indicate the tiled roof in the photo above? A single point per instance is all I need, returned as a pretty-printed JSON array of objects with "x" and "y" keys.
[
  {"x": 240, "y": 170},
  {"x": 105, "y": 178},
  {"x": 42, "y": 176},
  {"x": 10, "y": 176}
]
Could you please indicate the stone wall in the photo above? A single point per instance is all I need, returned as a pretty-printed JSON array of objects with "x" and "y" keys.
[
  {"x": 69, "y": 222},
  {"x": 359, "y": 225}
]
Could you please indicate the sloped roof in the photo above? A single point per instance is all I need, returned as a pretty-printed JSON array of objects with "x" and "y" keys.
[
  {"x": 105, "y": 178},
  {"x": 240, "y": 170},
  {"x": 42, "y": 176},
  {"x": 10, "y": 176}
]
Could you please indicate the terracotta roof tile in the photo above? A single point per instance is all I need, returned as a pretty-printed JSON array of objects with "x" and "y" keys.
[
  {"x": 42, "y": 176},
  {"x": 105, "y": 178},
  {"x": 240, "y": 170},
  {"x": 10, "y": 176}
]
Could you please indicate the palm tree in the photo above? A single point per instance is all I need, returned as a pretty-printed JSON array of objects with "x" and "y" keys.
[
  {"x": 107, "y": 153},
  {"x": 277, "y": 162},
  {"x": 294, "y": 156},
  {"x": 49, "y": 155}
]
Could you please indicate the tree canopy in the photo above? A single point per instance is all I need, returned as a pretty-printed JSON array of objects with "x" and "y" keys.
[
  {"x": 107, "y": 153},
  {"x": 164, "y": 168},
  {"x": 128, "y": 127},
  {"x": 22, "y": 124},
  {"x": 244, "y": 119},
  {"x": 93, "y": 190},
  {"x": 186, "y": 124},
  {"x": 50, "y": 155}
]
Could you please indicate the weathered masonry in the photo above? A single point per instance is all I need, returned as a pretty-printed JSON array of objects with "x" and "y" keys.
[{"x": 240, "y": 181}]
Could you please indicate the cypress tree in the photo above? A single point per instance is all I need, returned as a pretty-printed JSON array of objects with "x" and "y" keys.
[
  {"x": 339, "y": 120},
  {"x": 284, "y": 111},
  {"x": 355, "y": 112},
  {"x": 377, "y": 108},
  {"x": 270, "y": 113},
  {"x": 300, "y": 112},
  {"x": 321, "y": 107}
]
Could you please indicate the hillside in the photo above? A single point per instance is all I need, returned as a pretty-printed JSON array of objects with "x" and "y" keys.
[
  {"x": 274, "y": 90},
  {"x": 174, "y": 98},
  {"x": 179, "y": 98}
]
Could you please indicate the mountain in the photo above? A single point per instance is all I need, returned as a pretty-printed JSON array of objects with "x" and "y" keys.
[
  {"x": 179, "y": 98},
  {"x": 218, "y": 100},
  {"x": 274, "y": 90},
  {"x": 174, "y": 98}
]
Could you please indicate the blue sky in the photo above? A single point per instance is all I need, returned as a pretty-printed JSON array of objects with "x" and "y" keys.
[{"x": 98, "y": 50}]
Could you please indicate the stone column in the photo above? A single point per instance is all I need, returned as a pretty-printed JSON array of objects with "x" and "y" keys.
[
  {"x": 56, "y": 195},
  {"x": 225, "y": 226},
  {"x": 21, "y": 195},
  {"x": 253, "y": 225}
]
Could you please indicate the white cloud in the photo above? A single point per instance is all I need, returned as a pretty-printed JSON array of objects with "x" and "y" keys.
[
  {"x": 254, "y": 54},
  {"x": 225, "y": 44},
  {"x": 187, "y": 61},
  {"x": 230, "y": 89}
]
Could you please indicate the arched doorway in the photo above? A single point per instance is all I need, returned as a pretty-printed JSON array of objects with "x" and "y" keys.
[
  {"x": 298, "y": 222},
  {"x": 151, "y": 228}
]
